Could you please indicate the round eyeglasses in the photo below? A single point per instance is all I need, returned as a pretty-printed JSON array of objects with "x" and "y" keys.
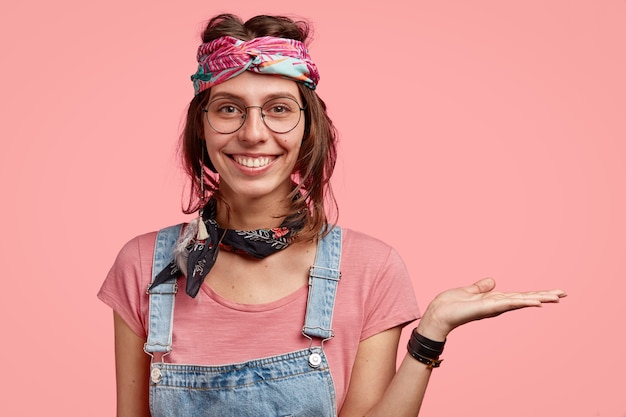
[{"x": 227, "y": 115}]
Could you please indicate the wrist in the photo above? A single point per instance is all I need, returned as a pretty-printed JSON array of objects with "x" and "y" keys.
[
  {"x": 425, "y": 350},
  {"x": 429, "y": 328}
]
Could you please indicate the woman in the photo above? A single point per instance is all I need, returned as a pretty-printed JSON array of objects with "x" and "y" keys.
[{"x": 283, "y": 312}]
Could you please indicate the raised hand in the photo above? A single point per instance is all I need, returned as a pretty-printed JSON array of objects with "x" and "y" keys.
[{"x": 458, "y": 306}]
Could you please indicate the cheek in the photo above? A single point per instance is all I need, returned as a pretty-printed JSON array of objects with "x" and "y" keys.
[
  {"x": 294, "y": 142},
  {"x": 213, "y": 150},
  {"x": 293, "y": 146},
  {"x": 213, "y": 141}
]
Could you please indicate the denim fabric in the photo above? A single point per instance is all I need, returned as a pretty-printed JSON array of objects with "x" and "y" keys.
[
  {"x": 297, "y": 384},
  {"x": 323, "y": 279},
  {"x": 161, "y": 307}
]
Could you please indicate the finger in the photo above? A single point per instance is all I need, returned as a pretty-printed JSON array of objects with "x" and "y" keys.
[
  {"x": 556, "y": 292},
  {"x": 516, "y": 301},
  {"x": 560, "y": 293},
  {"x": 552, "y": 296},
  {"x": 482, "y": 286},
  {"x": 509, "y": 304}
]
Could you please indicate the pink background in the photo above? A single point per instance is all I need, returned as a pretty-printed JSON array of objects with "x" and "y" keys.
[{"x": 482, "y": 138}]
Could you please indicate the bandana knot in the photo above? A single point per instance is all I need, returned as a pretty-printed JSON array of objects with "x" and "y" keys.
[{"x": 197, "y": 248}]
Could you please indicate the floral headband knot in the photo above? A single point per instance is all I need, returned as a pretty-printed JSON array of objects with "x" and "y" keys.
[{"x": 224, "y": 58}]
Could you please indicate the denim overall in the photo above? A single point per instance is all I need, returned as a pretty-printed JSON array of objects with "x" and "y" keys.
[{"x": 295, "y": 384}]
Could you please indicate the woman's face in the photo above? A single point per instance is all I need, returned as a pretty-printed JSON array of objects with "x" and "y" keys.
[{"x": 253, "y": 162}]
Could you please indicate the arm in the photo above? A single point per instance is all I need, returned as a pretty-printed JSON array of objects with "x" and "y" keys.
[
  {"x": 375, "y": 385},
  {"x": 405, "y": 390},
  {"x": 131, "y": 371}
]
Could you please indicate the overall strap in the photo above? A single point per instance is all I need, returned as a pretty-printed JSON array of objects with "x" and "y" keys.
[
  {"x": 323, "y": 279},
  {"x": 161, "y": 307}
]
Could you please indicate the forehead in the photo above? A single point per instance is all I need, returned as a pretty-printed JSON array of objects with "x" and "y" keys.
[{"x": 252, "y": 87}]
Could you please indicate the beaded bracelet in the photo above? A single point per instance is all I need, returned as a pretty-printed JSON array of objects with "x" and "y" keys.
[{"x": 425, "y": 350}]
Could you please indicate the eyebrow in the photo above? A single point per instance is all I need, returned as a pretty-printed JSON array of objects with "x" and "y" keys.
[{"x": 265, "y": 98}]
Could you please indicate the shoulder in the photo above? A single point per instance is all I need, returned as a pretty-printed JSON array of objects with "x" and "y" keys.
[
  {"x": 370, "y": 259},
  {"x": 365, "y": 248},
  {"x": 355, "y": 237},
  {"x": 138, "y": 248},
  {"x": 124, "y": 288},
  {"x": 141, "y": 246},
  {"x": 133, "y": 263}
]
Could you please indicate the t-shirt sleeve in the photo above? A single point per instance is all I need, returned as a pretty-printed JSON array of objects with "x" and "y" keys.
[
  {"x": 375, "y": 285},
  {"x": 390, "y": 299},
  {"x": 124, "y": 288}
]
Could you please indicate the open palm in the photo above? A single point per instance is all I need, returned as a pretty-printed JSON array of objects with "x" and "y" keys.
[{"x": 457, "y": 306}]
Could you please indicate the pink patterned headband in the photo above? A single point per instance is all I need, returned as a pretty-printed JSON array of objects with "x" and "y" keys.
[{"x": 224, "y": 58}]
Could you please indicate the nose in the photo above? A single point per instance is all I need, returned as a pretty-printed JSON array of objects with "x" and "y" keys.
[{"x": 254, "y": 129}]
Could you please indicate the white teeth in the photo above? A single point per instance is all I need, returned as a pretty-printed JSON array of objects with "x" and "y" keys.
[{"x": 253, "y": 162}]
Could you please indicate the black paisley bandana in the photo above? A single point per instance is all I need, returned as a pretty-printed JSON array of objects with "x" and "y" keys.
[{"x": 203, "y": 253}]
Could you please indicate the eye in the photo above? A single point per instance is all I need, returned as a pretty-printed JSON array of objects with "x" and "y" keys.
[
  {"x": 225, "y": 108},
  {"x": 228, "y": 108},
  {"x": 280, "y": 107}
]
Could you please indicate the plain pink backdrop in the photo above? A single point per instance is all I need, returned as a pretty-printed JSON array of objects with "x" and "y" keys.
[{"x": 482, "y": 138}]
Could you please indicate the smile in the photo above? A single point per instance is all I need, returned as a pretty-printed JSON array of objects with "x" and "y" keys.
[{"x": 249, "y": 162}]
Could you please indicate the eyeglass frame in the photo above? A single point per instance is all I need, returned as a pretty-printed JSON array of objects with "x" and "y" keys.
[{"x": 244, "y": 116}]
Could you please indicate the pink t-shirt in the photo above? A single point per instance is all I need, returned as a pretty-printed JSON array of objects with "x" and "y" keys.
[{"x": 374, "y": 294}]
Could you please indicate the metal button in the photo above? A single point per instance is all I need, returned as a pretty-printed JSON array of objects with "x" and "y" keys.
[
  {"x": 155, "y": 375},
  {"x": 315, "y": 360}
]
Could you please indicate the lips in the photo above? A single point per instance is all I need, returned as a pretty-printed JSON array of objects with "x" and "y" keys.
[{"x": 253, "y": 162}]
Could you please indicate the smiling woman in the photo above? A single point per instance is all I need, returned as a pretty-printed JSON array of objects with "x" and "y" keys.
[
  {"x": 284, "y": 312},
  {"x": 254, "y": 161}
]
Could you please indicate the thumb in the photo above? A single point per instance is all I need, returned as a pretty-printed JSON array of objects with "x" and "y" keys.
[{"x": 482, "y": 286}]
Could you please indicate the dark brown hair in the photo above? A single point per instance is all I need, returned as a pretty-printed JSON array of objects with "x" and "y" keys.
[{"x": 318, "y": 152}]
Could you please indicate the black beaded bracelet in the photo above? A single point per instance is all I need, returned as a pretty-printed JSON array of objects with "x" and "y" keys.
[{"x": 425, "y": 350}]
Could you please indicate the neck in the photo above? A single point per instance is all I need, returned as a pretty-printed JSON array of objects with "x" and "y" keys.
[{"x": 250, "y": 214}]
